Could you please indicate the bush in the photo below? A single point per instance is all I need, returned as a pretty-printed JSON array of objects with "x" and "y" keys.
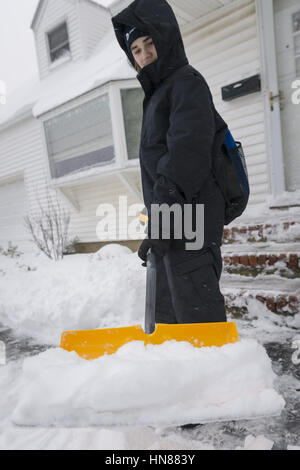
[
  {"x": 49, "y": 227},
  {"x": 69, "y": 248}
]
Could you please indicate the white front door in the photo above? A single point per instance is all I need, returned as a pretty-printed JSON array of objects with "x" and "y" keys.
[{"x": 287, "y": 38}]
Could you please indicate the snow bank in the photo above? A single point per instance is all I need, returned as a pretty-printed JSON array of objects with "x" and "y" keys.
[
  {"x": 42, "y": 298},
  {"x": 257, "y": 443},
  {"x": 14, "y": 437},
  {"x": 170, "y": 384},
  {"x": 110, "y": 252}
]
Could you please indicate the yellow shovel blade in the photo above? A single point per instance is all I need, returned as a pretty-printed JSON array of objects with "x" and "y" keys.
[{"x": 91, "y": 344}]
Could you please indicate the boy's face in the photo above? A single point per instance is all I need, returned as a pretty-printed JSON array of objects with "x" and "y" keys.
[{"x": 144, "y": 51}]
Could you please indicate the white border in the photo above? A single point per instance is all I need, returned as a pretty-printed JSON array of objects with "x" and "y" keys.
[{"x": 266, "y": 33}]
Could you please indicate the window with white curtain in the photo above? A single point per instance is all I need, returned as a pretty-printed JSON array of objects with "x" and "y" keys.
[
  {"x": 132, "y": 102},
  {"x": 80, "y": 138}
]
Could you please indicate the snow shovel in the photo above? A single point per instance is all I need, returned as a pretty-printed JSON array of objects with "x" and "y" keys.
[{"x": 91, "y": 344}]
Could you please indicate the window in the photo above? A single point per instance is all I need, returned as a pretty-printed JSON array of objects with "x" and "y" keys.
[
  {"x": 58, "y": 40},
  {"x": 296, "y": 22},
  {"x": 296, "y": 34},
  {"x": 80, "y": 138},
  {"x": 132, "y": 102}
]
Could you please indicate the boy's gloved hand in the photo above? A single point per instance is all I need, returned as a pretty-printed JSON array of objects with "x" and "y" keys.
[
  {"x": 159, "y": 247},
  {"x": 164, "y": 192}
]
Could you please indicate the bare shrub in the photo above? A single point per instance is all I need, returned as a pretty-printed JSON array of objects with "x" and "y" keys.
[{"x": 49, "y": 228}]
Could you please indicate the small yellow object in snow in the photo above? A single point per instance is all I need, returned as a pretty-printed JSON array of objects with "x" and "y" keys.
[
  {"x": 91, "y": 344},
  {"x": 143, "y": 216}
]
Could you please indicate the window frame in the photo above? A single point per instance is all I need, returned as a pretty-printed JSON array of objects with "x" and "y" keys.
[
  {"x": 122, "y": 85},
  {"x": 294, "y": 35},
  {"x": 88, "y": 173},
  {"x": 121, "y": 162},
  {"x": 57, "y": 62},
  {"x": 294, "y": 13}
]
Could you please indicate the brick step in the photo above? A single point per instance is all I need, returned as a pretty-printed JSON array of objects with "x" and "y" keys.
[
  {"x": 254, "y": 264},
  {"x": 237, "y": 302},
  {"x": 271, "y": 284},
  {"x": 279, "y": 232},
  {"x": 261, "y": 248}
]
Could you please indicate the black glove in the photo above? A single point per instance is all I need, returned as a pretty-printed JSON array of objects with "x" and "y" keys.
[
  {"x": 164, "y": 191},
  {"x": 159, "y": 247}
]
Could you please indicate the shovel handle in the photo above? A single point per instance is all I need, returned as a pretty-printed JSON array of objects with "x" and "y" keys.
[{"x": 150, "y": 293}]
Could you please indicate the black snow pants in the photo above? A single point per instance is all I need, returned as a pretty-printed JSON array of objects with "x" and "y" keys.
[{"x": 187, "y": 288}]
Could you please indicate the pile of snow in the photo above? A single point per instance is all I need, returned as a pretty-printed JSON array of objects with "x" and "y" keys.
[
  {"x": 170, "y": 384},
  {"x": 111, "y": 251},
  {"x": 42, "y": 298},
  {"x": 14, "y": 437},
  {"x": 257, "y": 443},
  {"x": 260, "y": 213}
]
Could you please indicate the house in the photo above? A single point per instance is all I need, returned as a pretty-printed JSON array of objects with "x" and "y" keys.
[{"x": 75, "y": 128}]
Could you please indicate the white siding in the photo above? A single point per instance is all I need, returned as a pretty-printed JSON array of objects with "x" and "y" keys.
[
  {"x": 50, "y": 16},
  {"x": 90, "y": 196},
  {"x": 94, "y": 23},
  {"x": 22, "y": 152},
  {"x": 191, "y": 10},
  {"x": 13, "y": 207},
  {"x": 224, "y": 51}
]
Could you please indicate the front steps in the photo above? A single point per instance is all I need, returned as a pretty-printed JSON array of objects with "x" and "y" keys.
[
  {"x": 262, "y": 262},
  {"x": 277, "y": 232}
]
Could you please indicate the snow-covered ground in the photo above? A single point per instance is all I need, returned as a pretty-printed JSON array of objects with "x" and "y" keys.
[{"x": 56, "y": 400}]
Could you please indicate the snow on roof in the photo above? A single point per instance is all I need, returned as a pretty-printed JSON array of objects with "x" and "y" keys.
[
  {"x": 107, "y": 63},
  {"x": 20, "y": 102},
  {"x": 106, "y": 3},
  {"x": 115, "y": 6}
]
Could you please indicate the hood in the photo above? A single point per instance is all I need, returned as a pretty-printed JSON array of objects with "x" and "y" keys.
[{"x": 157, "y": 19}]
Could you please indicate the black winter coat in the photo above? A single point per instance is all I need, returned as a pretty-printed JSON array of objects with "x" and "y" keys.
[{"x": 182, "y": 133}]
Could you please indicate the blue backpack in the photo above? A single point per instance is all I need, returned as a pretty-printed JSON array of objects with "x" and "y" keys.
[
  {"x": 232, "y": 178},
  {"x": 231, "y": 175}
]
